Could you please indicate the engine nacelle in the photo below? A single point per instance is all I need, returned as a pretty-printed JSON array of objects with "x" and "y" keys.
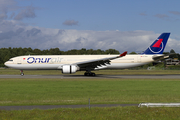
[{"x": 68, "y": 69}]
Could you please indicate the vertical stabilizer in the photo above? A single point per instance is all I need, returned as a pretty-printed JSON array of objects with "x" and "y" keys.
[{"x": 157, "y": 47}]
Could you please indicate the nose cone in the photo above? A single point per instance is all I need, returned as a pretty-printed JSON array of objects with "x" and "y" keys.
[{"x": 6, "y": 63}]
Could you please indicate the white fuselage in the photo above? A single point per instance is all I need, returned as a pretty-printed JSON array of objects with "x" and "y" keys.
[{"x": 54, "y": 62}]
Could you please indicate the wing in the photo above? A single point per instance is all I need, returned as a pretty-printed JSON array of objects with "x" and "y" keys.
[{"x": 97, "y": 62}]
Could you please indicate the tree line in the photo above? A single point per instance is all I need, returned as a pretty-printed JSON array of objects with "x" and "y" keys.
[{"x": 7, "y": 53}]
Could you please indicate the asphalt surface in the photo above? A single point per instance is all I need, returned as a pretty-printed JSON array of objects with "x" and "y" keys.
[{"x": 97, "y": 76}]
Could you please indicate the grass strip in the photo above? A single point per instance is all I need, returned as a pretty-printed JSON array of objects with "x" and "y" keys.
[
  {"x": 117, "y": 113},
  {"x": 78, "y": 91}
]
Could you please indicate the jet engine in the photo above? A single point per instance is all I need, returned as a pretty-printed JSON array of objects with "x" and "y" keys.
[{"x": 68, "y": 69}]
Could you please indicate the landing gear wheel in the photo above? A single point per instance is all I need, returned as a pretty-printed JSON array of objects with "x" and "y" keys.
[
  {"x": 86, "y": 74},
  {"x": 93, "y": 74},
  {"x": 89, "y": 74},
  {"x": 22, "y": 74}
]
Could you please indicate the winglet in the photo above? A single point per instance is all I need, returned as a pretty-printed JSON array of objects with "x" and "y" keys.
[{"x": 123, "y": 54}]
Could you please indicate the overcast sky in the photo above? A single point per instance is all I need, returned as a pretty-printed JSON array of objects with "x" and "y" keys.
[{"x": 124, "y": 25}]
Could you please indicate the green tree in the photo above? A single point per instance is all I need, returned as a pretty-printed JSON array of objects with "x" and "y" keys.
[
  {"x": 112, "y": 51},
  {"x": 37, "y": 52},
  {"x": 133, "y": 53},
  {"x": 174, "y": 55},
  {"x": 90, "y": 51},
  {"x": 54, "y": 51}
]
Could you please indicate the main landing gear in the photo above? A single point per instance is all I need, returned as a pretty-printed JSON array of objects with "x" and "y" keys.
[
  {"x": 89, "y": 74},
  {"x": 21, "y": 72}
]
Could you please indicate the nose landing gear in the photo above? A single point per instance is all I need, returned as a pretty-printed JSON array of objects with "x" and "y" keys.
[{"x": 21, "y": 72}]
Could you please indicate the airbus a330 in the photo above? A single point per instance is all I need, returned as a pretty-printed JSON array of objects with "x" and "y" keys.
[{"x": 69, "y": 64}]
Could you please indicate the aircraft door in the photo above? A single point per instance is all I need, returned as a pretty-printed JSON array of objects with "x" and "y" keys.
[
  {"x": 19, "y": 61},
  {"x": 138, "y": 58}
]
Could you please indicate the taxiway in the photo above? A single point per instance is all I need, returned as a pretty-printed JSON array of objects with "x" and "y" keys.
[{"x": 97, "y": 76}]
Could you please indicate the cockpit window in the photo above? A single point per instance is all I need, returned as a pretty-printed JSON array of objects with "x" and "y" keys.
[{"x": 10, "y": 60}]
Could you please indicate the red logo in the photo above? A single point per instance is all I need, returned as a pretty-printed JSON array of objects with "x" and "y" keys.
[
  {"x": 157, "y": 47},
  {"x": 158, "y": 43}
]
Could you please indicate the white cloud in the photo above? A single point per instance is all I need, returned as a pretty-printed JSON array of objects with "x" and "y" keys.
[
  {"x": 70, "y": 22},
  {"x": 161, "y": 16},
  {"x": 27, "y": 12},
  {"x": 9, "y": 9},
  {"x": 143, "y": 14},
  {"x": 8, "y": 4},
  {"x": 175, "y": 12},
  {"x": 45, "y": 38},
  {"x": 16, "y": 34}
]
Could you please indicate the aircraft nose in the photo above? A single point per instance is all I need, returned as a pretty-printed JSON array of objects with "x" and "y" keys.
[{"x": 6, "y": 63}]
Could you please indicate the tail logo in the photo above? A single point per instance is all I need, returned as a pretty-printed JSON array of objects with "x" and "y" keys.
[{"x": 157, "y": 47}]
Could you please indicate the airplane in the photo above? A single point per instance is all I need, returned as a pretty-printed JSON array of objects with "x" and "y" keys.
[{"x": 69, "y": 64}]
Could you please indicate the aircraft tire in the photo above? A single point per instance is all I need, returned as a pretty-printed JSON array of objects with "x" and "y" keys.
[
  {"x": 93, "y": 74},
  {"x": 22, "y": 74},
  {"x": 89, "y": 74}
]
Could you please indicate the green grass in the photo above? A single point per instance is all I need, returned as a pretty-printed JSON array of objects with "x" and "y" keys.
[
  {"x": 78, "y": 91},
  {"x": 117, "y": 113},
  {"x": 100, "y": 91}
]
